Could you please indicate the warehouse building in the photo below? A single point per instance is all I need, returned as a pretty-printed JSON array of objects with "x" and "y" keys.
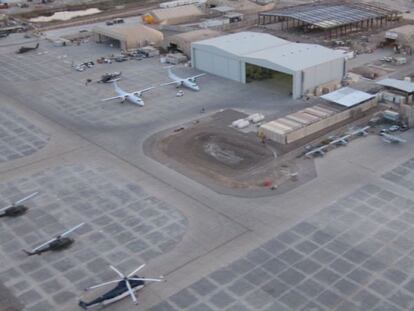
[
  {"x": 336, "y": 109},
  {"x": 294, "y": 68},
  {"x": 128, "y": 37},
  {"x": 182, "y": 42},
  {"x": 173, "y": 16}
]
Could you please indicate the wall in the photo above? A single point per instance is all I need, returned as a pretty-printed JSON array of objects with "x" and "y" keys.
[
  {"x": 321, "y": 74},
  {"x": 219, "y": 65}
]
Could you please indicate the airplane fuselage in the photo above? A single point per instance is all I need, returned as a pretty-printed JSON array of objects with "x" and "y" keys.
[
  {"x": 184, "y": 82},
  {"x": 14, "y": 211},
  {"x": 117, "y": 293},
  {"x": 132, "y": 98},
  {"x": 57, "y": 245}
]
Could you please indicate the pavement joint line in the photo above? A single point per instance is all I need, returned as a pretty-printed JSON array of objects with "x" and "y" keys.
[
  {"x": 208, "y": 252},
  {"x": 362, "y": 166},
  {"x": 41, "y": 160},
  {"x": 136, "y": 166}
]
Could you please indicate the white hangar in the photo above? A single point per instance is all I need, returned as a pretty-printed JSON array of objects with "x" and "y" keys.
[{"x": 245, "y": 56}]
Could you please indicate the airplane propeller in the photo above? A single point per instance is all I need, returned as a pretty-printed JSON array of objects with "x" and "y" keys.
[{"x": 19, "y": 201}]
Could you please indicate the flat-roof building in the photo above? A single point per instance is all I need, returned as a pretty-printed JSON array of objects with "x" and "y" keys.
[
  {"x": 247, "y": 56},
  {"x": 175, "y": 15}
]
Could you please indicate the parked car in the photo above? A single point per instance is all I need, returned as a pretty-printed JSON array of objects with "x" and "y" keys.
[
  {"x": 394, "y": 128},
  {"x": 109, "y": 23}
]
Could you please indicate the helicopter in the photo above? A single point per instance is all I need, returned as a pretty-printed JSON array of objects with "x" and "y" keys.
[
  {"x": 126, "y": 286},
  {"x": 58, "y": 243},
  {"x": 16, "y": 208}
]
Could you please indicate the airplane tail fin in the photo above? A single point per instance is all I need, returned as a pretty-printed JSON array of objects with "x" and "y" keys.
[
  {"x": 83, "y": 305},
  {"x": 28, "y": 253},
  {"x": 37, "y": 45},
  {"x": 116, "y": 86}
]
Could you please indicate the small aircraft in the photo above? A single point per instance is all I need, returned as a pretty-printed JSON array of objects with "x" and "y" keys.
[
  {"x": 110, "y": 77},
  {"x": 189, "y": 82},
  {"x": 126, "y": 286},
  {"x": 16, "y": 209},
  {"x": 392, "y": 139},
  {"x": 133, "y": 97},
  {"x": 25, "y": 49},
  {"x": 58, "y": 243}
]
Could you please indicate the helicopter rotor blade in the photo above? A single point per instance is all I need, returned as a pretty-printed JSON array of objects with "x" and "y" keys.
[
  {"x": 42, "y": 245},
  {"x": 161, "y": 279},
  {"x": 117, "y": 271},
  {"x": 136, "y": 270},
  {"x": 102, "y": 284},
  {"x": 4, "y": 208},
  {"x": 26, "y": 198},
  {"x": 71, "y": 230},
  {"x": 131, "y": 293}
]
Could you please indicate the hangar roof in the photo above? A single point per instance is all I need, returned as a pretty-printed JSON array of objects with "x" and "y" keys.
[
  {"x": 347, "y": 97},
  {"x": 243, "y": 43},
  {"x": 268, "y": 50}
]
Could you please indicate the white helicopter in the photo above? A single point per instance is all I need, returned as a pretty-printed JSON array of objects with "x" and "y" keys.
[
  {"x": 189, "y": 82},
  {"x": 17, "y": 208},
  {"x": 126, "y": 286},
  {"x": 132, "y": 97}
]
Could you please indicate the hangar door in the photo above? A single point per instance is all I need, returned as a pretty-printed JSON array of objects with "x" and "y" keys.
[
  {"x": 276, "y": 80},
  {"x": 219, "y": 65}
]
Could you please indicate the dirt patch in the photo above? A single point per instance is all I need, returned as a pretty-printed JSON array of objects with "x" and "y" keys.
[
  {"x": 226, "y": 159},
  {"x": 372, "y": 72}
]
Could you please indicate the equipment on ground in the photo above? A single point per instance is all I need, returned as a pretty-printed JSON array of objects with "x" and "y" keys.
[
  {"x": 189, "y": 82},
  {"x": 16, "y": 208},
  {"x": 60, "y": 242},
  {"x": 126, "y": 286},
  {"x": 392, "y": 139},
  {"x": 110, "y": 77},
  {"x": 25, "y": 49},
  {"x": 132, "y": 97}
]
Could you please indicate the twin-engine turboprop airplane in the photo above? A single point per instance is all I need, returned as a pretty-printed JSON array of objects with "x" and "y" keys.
[
  {"x": 132, "y": 97},
  {"x": 189, "y": 82}
]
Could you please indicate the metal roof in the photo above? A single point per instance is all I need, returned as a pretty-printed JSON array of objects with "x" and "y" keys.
[
  {"x": 270, "y": 51},
  {"x": 347, "y": 97},
  {"x": 332, "y": 15},
  {"x": 243, "y": 43},
  {"x": 401, "y": 85}
]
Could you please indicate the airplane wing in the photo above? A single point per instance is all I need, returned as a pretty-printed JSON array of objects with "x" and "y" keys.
[
  {"x": 111, "y": 98},
  {"x": 197, "y": 76},
  {"x": 169, "y": 83},
  {"x": 142, "y": 91}
]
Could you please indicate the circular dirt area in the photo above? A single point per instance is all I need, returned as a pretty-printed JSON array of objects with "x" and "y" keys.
[
  {"x": 222, "y": 151},
  {"x": 227, "y": 151}
]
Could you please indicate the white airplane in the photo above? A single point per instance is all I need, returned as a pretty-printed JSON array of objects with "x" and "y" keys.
[
  {"x": 189, "y": 82},
  {"x": 392, "y": 139},
  {"x": 132, "y": 97}
]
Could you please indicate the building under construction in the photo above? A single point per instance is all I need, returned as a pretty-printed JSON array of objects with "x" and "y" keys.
[{"x": 334, "y": 19}]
